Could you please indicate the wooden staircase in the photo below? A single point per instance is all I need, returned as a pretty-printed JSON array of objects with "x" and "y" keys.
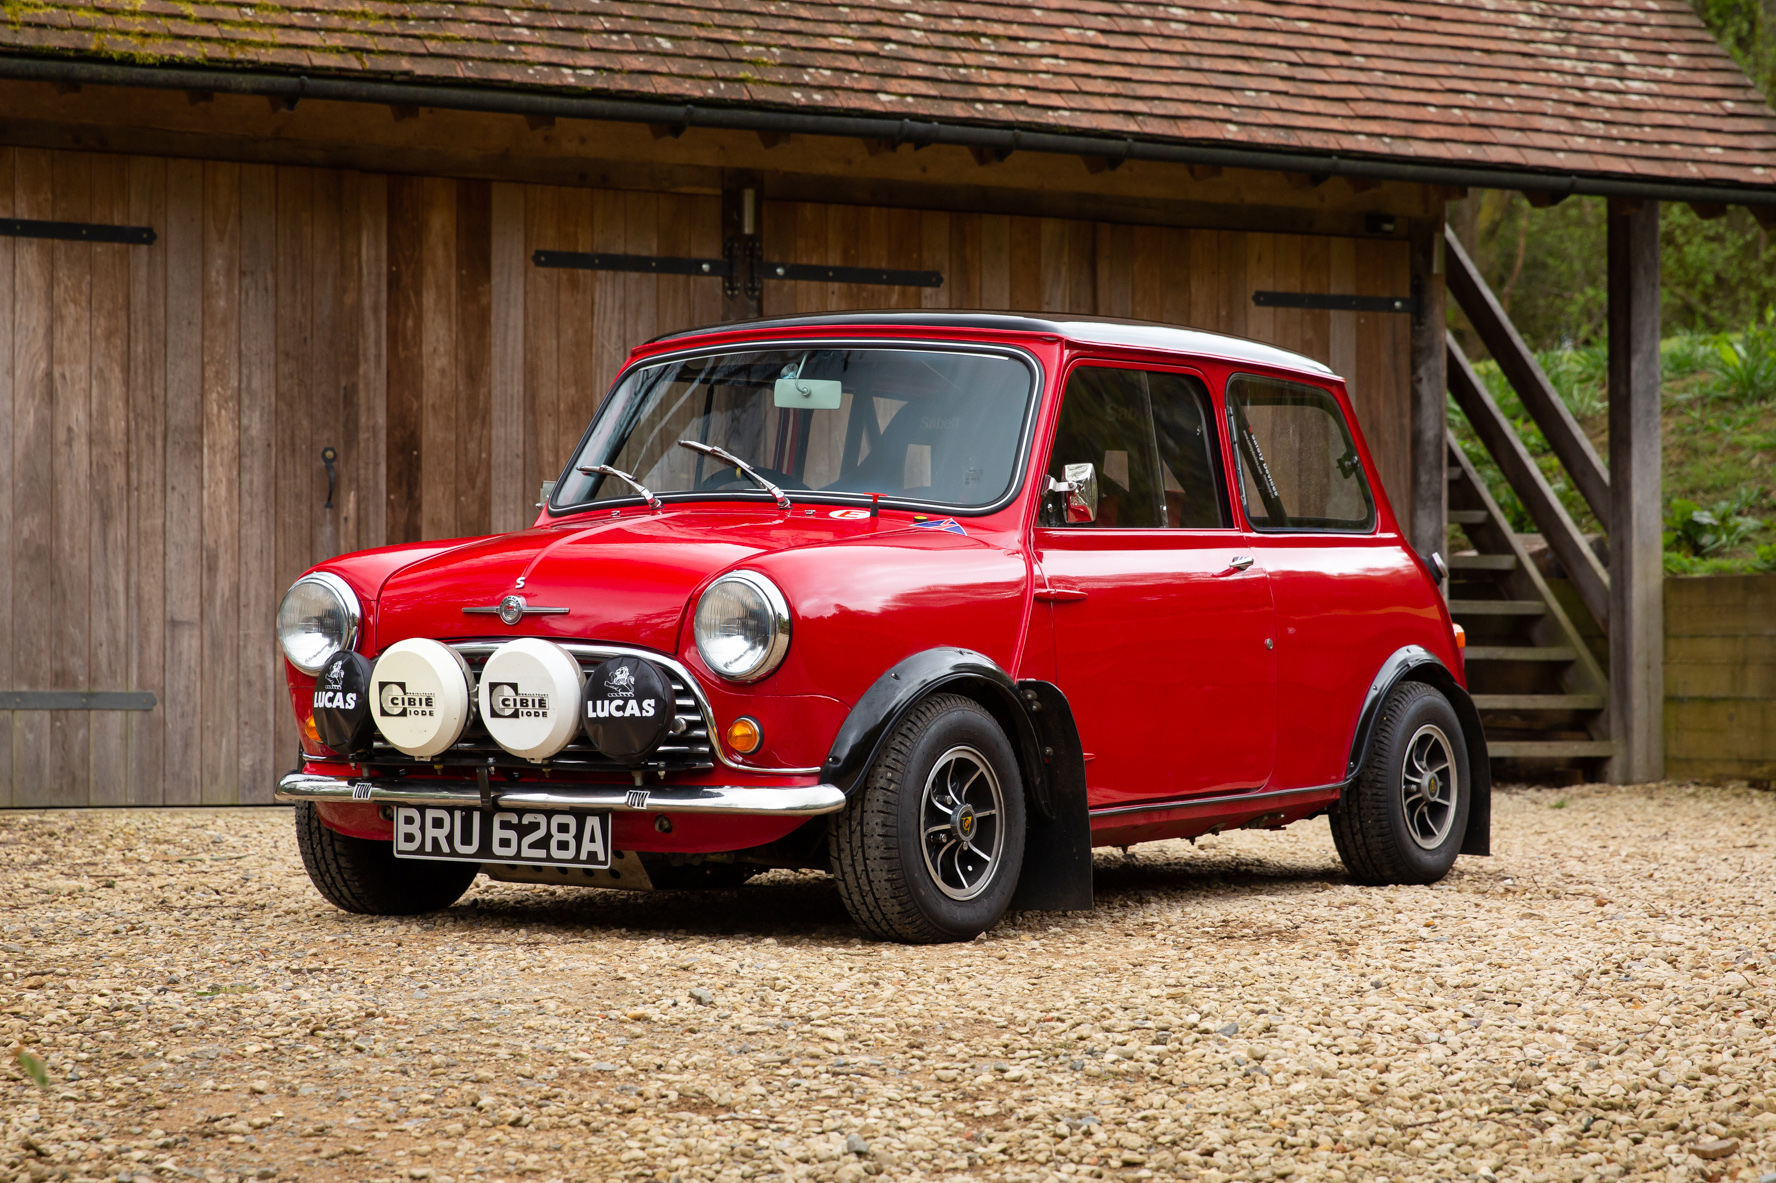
[{"x": 1540, "y": 689}]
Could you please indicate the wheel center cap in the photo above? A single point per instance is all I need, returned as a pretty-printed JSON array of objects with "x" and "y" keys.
[
  {"x": 963, "y": 822},
  {"x": 1429, "y": 787}
]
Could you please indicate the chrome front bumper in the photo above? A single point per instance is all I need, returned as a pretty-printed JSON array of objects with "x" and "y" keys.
[{"x": 803, "y": 801}]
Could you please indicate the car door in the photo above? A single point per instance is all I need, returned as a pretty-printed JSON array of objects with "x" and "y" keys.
[
  {"x": 1162, "y": 622},
  {"x": 1306, "y": 496}
]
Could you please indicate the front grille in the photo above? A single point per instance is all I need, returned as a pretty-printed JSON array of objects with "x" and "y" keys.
[{"x": 686, "y": 749}]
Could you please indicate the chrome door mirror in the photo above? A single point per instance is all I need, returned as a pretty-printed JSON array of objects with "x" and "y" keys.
[{"x": 1079, "y": 492}]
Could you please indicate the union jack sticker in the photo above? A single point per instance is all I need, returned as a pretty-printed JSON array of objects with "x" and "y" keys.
[{"x": 948, "y": 525}]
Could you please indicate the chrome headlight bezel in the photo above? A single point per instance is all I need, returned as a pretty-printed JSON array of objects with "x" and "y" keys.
[
  {"x": 771, "y": 608},
  {"x": 350, "y": 613}
]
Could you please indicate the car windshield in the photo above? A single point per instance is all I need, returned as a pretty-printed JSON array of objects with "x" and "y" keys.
[{"x": 919, "y": 425}]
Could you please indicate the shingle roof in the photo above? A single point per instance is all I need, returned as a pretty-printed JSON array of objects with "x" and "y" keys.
[{"x": 1630, "y": 88}]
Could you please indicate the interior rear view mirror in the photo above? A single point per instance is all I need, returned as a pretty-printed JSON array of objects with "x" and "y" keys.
[{"x": 808, "y": 394}]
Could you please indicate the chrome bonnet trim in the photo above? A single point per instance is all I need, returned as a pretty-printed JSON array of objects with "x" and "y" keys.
[
  {"x": 797, "y": 801},
  {"x": 585, "y": 649}
]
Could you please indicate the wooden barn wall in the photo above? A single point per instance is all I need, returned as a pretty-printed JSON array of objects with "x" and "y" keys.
[
  {"x": 163, "y": 408},
  {"x": 162, "y": 412}
]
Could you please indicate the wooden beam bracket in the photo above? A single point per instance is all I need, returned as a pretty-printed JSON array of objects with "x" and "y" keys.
[
  {"x": 1334, "y": 302},
  {"x": 740, "y": 267},
  {"x": 76, "y": 231}
]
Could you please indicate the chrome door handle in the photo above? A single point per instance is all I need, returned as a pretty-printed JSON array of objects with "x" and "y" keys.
[{"x": 1240, "y": 562}]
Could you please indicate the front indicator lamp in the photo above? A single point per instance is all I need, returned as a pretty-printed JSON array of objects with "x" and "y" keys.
[{"x": 745, "y": 735}]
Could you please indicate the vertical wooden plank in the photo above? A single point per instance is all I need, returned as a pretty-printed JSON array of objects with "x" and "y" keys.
[
  {"x": 810, "y": 246},
  {"x": 906, "y": 248},
  {"x": 406, "y": 377},
  {"x": 70, "y": 761},
  {"x": 438, "y": 394},
  {"x": 261, "y": 681},
  {"x": 348, "y": 336},
  {"x": 582, "y": 324},
  {"x": 8, "y": 161},
  {"x": 606, "y": 316},
  {"x": 33, "y": 505},
  {"x": 1147, "y": 270},
  {"x": 325, "y": 373},
  {"x": 1055, "y": 265},
  {"x": 1427, "y": 514},
  {"x": 1381, "y": 393},
  {"x": 542, "y": 358},
  {"x": 1205, "y": 281},
  {"x": 935, "y": 237},
  {"x": 964, "y": 278},
  {"x": 995, "y": 267},
  {"x": 1260, "y": 275},
  {"x": 474, "y": 358},
  {"x": 507, "y": 507},
  {"x": 147, "y": 481},
  {"x": 1234, "y": 295},
  {"x": 672, "y": 293},
  {"x": 1174, "y": 252},
  {"x": 221, "y": 484},
  {"x": 373, "y": 359},
  {"x": 777, "y": 240},
  {"x": 1286, "y": 277},
  {"x": 1026, "y": 251},
  {"x": 1637, "y": 587},
  {"x": 184, "y": 467},
  {"x": 295, "y": 402},
  {"x": 1316, "y": 276},
  {"x": 1342, "y": 280},
  {"x": 109, "y": 416},
  {"x": 640, "y": 310}
]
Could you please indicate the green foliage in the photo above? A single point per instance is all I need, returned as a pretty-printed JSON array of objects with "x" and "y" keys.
[
  {"x": 1692, "y": 532},
  {"x": 1747, "y": 29},
  {"x": 1765, "y": 559},
  {"x": 32, "y": 1067},
  {"x": 1746, "y": 363}
]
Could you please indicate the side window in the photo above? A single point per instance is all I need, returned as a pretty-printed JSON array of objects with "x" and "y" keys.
[
  {"x": 1149, "y": 436},
  {"x": 1298, "y": 466}
]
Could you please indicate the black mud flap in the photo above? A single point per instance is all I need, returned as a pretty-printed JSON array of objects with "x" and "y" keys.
[{"x": 1057, "y": 875}]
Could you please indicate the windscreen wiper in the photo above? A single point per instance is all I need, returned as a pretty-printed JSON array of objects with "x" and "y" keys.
[
  {"x": 646, "y": 493},
  {"x": 740, "y": 466}
]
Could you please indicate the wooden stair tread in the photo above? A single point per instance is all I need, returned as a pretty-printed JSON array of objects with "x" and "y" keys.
[
  {"x": 1482, "y": 562},
  {"x": 1469, "y": 517},
  {"x": 1522, "y": 653},
  {"x": 1497, "y": 608},
  {"x": 1550, "y": 749},
  {"x": 1538, "y": 702}
]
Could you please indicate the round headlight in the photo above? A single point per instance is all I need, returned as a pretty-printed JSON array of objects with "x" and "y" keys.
[
  {"x": 742, "y": 626},
  {"x": 318, "y": 618}
]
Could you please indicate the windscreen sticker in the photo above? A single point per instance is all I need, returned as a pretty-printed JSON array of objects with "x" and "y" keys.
[
  {"x": 848, "y": 515},
  {"x": 948, "y": 525}
]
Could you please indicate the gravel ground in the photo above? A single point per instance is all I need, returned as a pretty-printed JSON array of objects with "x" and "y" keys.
[{"x": 1594, "y": 1002}]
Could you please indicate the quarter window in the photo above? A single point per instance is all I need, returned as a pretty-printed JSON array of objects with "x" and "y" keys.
[
  {"x": 1298, "y": 466},
  {"x": 1148, "y": 434}
]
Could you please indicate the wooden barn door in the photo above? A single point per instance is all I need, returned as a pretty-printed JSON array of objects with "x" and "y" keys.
[
  {"x": 162, "y": 412},
  {"x": 1195, "y": 278}
]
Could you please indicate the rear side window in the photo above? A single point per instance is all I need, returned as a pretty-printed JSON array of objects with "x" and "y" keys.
[
  {"x": 1298, "y": 466},
  {"x": 1148, "y": 434}
]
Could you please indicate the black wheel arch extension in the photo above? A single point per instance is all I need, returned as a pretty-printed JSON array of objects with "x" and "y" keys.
[
  {"x": 1036, "y": 719},
  {"x": 1413, "y": 663}
]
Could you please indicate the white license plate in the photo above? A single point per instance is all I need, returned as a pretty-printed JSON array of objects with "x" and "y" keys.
[{"x": 530, "y": 837}]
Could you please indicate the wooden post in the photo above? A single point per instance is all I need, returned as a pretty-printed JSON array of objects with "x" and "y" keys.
[
  {"x": 1637, "y": 581},
  {"x": 1426, "y": 521},
  {"x": 742, "y": 226}
]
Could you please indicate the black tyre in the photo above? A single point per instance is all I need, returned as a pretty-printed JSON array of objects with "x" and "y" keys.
[
  {"x": 1402, "y": 822},
  {"x": 930, "y": 849},
  {"x": 360, "y": 875}
]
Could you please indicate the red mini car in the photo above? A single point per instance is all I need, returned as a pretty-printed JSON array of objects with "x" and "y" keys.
[{"x": 934, "y": 601}]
